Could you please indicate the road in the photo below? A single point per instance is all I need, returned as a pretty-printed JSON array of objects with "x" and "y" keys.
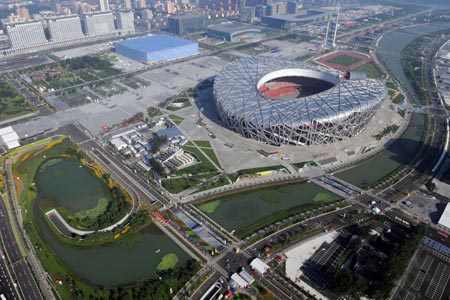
[{"x": 21, "y": 272}]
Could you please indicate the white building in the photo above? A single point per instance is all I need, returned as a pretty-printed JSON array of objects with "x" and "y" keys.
[
  {"x": 65, "y": 28},
  {"x": 260, "y": 266},
  {"x": 26, "y": 34},
  {"x": 125, "y": 21},
  {"x": 237, "y": 280},
  {"x": 104, "y": 5},
  {"x": 9, "y": 137},
  {"x": 99, "y": 23},
  {"x": 444, "y": 221}
]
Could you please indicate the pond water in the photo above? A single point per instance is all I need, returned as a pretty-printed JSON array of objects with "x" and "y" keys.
[
  {"x": 131, "y": 259},
  {"x": 243, "y": 209},
  {"x": 70, "y": 185}
]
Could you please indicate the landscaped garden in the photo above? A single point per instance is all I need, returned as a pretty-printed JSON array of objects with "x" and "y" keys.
[
  {"x": 12, "y": 104},
  {"x": 99, "y": 265}
]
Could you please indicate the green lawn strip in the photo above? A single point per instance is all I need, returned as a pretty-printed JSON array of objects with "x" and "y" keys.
[
  {"x": 391, "y": 93},
  {"x": 23, "y": 148},
  {"x": 325, "y": 197},
  {"x": 212, "y": 155},
  {"x": 261, "y": 169},
  {"x": 221, "y": 182},
  {"x": 177, "y": 185},
  {"x": 391, "y": 85},
  {"x": 399, "y": 99},
  {"x": 301, "y": 164},
  {"x": 371, "y": 70},
  {"x": 203, "y": 143},
  {"x": 176, "y": 119},
  {"x": 344, "y": 60}
]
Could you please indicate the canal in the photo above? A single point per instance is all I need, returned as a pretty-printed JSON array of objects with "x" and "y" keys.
[{"x": 403, "y": 149}]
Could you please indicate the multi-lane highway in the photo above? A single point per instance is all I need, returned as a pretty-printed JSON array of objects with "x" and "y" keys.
[{"x": 21, "y": 273}]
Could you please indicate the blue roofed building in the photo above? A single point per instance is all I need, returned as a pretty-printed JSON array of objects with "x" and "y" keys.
[{"x": 156, "y": 48}]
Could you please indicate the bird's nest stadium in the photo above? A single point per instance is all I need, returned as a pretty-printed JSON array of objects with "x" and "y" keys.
[{"x": 278, "y": 101}]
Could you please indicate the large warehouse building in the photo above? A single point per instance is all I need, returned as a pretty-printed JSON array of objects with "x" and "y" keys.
[
  {"x": 278, "y": 101},
  {"x": 156, "y": 48},
  {"x": 234, "y": 32}
]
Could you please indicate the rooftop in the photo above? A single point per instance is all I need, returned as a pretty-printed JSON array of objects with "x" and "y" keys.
[
  {"x": 154, "y": 43},
  {"x": 300, "y": 17},
  {"x": 231, "y": 27},
  {"x": 445, "y": 218}
]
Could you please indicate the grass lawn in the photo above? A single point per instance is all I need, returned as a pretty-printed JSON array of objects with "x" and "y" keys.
[
  {"x": 12, "y": 104},
  {"x": 204, "y": 166},
  {"x": 391, "y": 85},
  {"x": 256, "y": 170},
  {"x": 178, "y": 185},
  {"x": 153, "y": 112},
  {"x": 370, "y": 69},
  {"x": 212, "y": 155},
  {"x": 344, "y": 60},
  {"x": 221, "y": 182},
  {"x": 399, "y": 99},
  {"x": 174, "y": 108},
  {"x": 176, "y": 119},
  {"x": 209, "y": 207},
  {"x": 169, "y": 261},
  {"x": 203, "y": 143}
]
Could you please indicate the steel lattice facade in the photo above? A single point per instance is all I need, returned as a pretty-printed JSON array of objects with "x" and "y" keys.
[{"x": 334, "y": 114}]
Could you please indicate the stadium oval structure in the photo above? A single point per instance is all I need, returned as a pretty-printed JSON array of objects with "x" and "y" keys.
[{"x": 279, "y": 101}]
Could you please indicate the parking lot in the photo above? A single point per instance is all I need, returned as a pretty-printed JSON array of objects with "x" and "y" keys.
[
  {"x": 424, "y": 206},
  {"x": 427, "y": 277}
]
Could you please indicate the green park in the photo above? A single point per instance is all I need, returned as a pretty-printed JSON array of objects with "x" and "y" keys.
[{"x": 120, "y": 264}]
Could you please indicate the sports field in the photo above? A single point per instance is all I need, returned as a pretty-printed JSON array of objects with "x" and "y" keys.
[{"x": 344, "y": 61}]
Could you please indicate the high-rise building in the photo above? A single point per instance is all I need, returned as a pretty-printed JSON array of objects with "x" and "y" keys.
[
  {"x": 140, "y": 4},
  {"x": 26, "y": 34},
  {"x": 127, "y": 4},
  {"x": 186, "y": 24},
  {"x": 125, "y": 21},
  {"x": 98, "y": 23},
  {"x": 23, "y": 13},
  {"x": 55, "y": 6},
  {"x": 291, "y": 7},
  {"x": 65, "y": 28},
  {"x": 170, "y": 7},
  {"x": 247, "y": 14},
  {"x": 82, "y": 8},
  {"x": 104, "y": 5}
]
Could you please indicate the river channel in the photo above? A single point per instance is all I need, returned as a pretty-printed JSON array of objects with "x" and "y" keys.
[{"x": 403, "y": 149}]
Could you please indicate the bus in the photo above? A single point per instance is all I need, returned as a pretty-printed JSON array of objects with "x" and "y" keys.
[{"x": 2, "y": 297}]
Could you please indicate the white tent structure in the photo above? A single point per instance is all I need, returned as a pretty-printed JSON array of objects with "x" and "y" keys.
[
  {"x": 237, "y": 280},
  {"x": 260, "y": 266},
  {"x": 9, "y": 137}
]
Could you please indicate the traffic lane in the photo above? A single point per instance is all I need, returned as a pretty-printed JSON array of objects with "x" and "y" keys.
[
  {"x": 6, "y": 282},
  {"x": 335, "y": 219},
  {"x": 207, "y": 284},
  {"x": 8, "y": 238},
  {"x": 25, "y": 281},
  {"x": 146, "y": 188}
]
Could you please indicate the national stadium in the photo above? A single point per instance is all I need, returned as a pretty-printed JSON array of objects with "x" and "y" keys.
[{"x": 279, "y": 101}]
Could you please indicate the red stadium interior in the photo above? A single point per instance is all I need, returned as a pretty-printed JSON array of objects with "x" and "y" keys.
[{"x": 292, "y": 87}]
